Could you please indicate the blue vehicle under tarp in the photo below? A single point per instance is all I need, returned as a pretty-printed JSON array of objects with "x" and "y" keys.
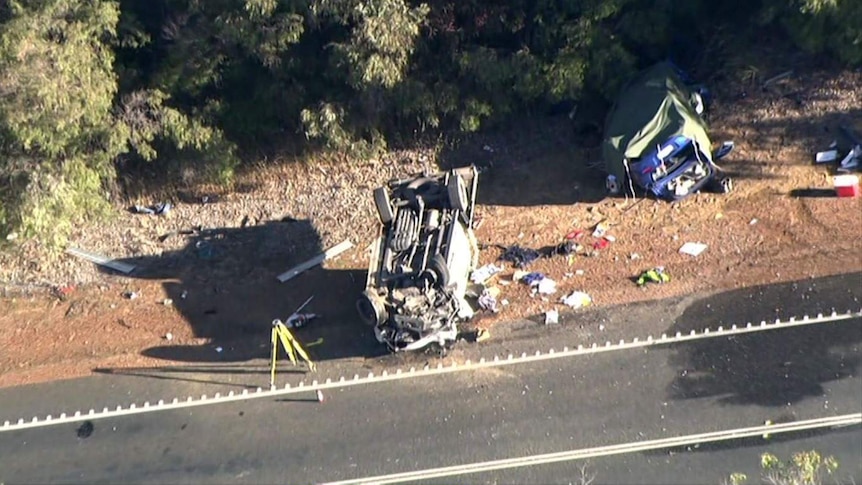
[{"x": 657, "y": 141}]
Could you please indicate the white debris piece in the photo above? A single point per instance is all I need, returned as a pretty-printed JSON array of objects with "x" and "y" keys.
[
  {"x": 320, "y": 258},
  {"x": 552, "y": 316},
  {"x": 852, "y": 158},
  {"x": 692, "y": 248},
  {"x": 577, "y": 299},
  {"x": 485, "y": 273},
  {"x": 101, "y": 260},
  {"x": 546, "y": 286},
  {"x": 826, "y": 157}
]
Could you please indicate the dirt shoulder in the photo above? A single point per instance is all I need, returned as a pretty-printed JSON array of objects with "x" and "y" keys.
[{"x": 215, "y": 260}]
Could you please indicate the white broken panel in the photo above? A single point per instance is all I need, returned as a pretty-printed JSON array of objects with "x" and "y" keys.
[{"x": 101, "y": 260}]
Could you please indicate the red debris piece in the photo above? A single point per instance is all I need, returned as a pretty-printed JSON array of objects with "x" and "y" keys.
[
  {"x": 601, "y": 244},
  {"x": 575, "y": 234}
]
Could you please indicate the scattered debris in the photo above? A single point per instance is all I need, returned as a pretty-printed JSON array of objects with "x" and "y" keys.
[
  {"x": 601, "y": 244},
  {"x": 63, "y": 292},
  {"x": 131, "y": 295},
  {"x": 319, "y": 395},
  {"x": 566, "y": 248},
  {"x": 299, "y": 320},
  {"x": 184, "y": 295},
  {"x": 654, "y": 275},
  {"x": 634, "y": 256},
  {"x": 328, "y": 254},
  {"x": 485, "y": 273},
  {"x": 531, "y": 279},
  {"x": 753, "y": 221},
  {"x": 488, "y": 299},
  {"x": 482, "y": 334},
  {"x": 319, "y": 341},
  {"x": 552, "y": 317},
  {"x": 219, "y": 349},
  {"x": 159, "y": 209},
  {"x": 600, "y": 230},
  {"x": 576, "y": 234},
  {"x": 167, "y": 302},
  {"x": 504, "y": 302},
  {"x": 546, "y": 286},
  {"x": 519, "y": 256},
  {"x": 577, "y": 299},
  {"x": 12, "y": 236},
  {"x": 169, "y": 336},
  {"x": 851, "y": 160},
  {"x": 579, "y": 272},
  {"x": 846, "y": 185},
  {"x": 85, "y": 430},
  {"x": 826, "y": 157},
  {"x": 101, "y": 260},
  {"x": 692, "y": 248},
  {"x": 610, "y": 238}
]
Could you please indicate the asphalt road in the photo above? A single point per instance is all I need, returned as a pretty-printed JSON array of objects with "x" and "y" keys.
[{"x": 474, "y": 416}]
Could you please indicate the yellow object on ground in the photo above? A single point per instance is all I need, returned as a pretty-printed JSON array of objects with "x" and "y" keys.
[{"x": 280, "y": 333}]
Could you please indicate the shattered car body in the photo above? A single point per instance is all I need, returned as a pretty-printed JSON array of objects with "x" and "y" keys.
[
  {"x": 420, "y": 264},
  {"x": 656, "y": 138}
]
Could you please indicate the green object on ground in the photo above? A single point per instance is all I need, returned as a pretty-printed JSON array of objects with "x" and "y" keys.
[
  {"x": 652, "y": 108},
  {"x": 654, "y": 275}
]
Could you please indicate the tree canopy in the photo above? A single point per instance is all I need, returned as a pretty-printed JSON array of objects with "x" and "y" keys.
[{"x": 88, "y": 85}]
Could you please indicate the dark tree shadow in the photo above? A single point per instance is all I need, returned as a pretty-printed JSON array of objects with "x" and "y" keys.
[
  {"x": 223, "y": 282},
  {"x": 553, "y": 160},
  {"x": 540, "y": 160},
  {"x": 768, "y": 368}
]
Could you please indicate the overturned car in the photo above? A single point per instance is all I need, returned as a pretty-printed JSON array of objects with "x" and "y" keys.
[
  {"x": 656, "y": 139},
  {"x": 420, "y": 263}
]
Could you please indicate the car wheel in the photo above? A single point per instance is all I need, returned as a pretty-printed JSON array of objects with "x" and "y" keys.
[
  {"x": 724, "y": 185},
  {"x": 437, "y": 265},
  {"x": 384, "y": 208},
  {"x": 371, "y": 308},
  {"x": 457, "y": 192}
]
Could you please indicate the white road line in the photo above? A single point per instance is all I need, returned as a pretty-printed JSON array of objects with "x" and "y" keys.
[
  {"x": 343, "y": 381},
  {"x": 726, "y": 435}
]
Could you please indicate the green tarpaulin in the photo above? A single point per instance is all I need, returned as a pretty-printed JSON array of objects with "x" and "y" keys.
[{"x": 652, "y": 108}]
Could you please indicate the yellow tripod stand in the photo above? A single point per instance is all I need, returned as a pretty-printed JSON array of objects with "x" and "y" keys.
[{"x": 280, "y": 333}]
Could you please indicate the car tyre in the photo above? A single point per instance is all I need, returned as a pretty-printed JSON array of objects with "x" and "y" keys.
[
  {"x": 457, "y": 192},
  {"x": 371, "y": 308},
  {"x": 723, "y": 185},
  {"x": 384, "y": 207},
  {"x": 437, "y": 265}
]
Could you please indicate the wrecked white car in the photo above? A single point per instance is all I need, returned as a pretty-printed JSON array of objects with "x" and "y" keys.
[{"x": 420, "y": 264}]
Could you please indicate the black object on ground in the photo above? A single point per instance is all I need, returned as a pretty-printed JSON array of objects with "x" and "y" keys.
[{"x": 519, "y": 256}]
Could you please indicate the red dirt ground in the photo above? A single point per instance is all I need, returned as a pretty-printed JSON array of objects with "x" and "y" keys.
[{"x": 536, "y": 188}]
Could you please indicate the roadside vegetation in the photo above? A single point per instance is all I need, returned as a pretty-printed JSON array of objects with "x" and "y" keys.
[
  {"x": 96, "y": 95},
  {"x": 803, "y": 468}
]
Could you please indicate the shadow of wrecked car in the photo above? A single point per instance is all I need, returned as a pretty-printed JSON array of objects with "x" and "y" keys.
[{"x": 421, "y": 261}]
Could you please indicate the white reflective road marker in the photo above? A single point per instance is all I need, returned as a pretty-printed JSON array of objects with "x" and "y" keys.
[
  {"x": 487, "y": 466},
  {"x": 496, "y": 361}
]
